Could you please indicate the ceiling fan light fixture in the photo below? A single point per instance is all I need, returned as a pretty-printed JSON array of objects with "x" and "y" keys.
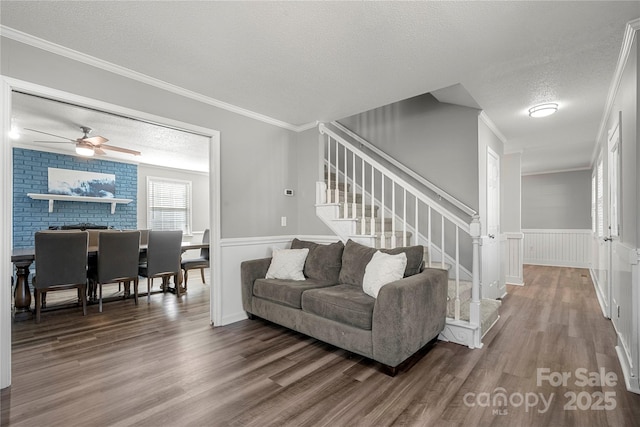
[
  {"x": 84, "y": 149},
  {"x": 543, "y": 110}
]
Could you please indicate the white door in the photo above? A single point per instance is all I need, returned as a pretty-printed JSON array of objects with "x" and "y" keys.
[
  {"x": 614, "y": 220},
  {"x": 491, "y": 284},
  {"x": 601, "y": 238}
]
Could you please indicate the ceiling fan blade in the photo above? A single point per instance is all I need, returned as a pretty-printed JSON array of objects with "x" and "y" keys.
[
  {"x": 99, "y": 151},
  {"x": 95, "y": 140},
  {"x": 51, "y": 134},
  {"x": 122, "y": 150}
]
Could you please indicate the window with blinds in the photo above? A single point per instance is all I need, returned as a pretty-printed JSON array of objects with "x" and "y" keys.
[{"x": 168, "y": 204}]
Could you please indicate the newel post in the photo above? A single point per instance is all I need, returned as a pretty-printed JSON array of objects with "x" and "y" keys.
[
  {"x": 474, "y": 309},
  {"x": 321, "y": 152}
]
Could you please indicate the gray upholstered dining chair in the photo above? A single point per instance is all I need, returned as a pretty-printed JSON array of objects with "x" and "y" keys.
[
  {"x": 118, "y": 253},
  {"x": 61, "y": 263},
  {"x": 201, "y": 262},
  {"x": 162, "y": 260}
]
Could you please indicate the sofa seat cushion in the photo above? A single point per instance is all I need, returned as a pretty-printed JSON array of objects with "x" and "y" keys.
[
  {"x": 284, "y": 291},
  {"x": 342, "y": 303}
]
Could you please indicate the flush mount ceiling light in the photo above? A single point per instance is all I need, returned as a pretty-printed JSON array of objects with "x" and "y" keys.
[
  {"x": 84, "y": 149},
  {"x": 543, "y": 110}
]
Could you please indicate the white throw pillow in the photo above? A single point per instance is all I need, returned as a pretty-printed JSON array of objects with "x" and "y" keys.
[
  {"x": 287, "y": 264},
  {"x": 382, "y": 269}
]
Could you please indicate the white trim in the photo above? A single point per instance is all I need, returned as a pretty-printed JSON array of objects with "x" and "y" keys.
[
  {"x": 492, "y": 126},
  {"x": 250, "y": 241},
  {"x": 6, "y": 209},
  {"x": 9, "y": 84},
  {"x": 57, "y": 49},
  {"x": 585, "y": 168},
  {"x": 514, "y": 250},
  {"x": 602, "y": 301},
  {"x": 629, "y": 33}
]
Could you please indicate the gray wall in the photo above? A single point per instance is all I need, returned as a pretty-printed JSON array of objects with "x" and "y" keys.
[
  {"x": 308, "y": 161},
  {"x": 439, "y": 141},
  {"x": 557, "y": 200},
  {"x": 257, "y": 160},
  {"x": 510, "y": 216}
]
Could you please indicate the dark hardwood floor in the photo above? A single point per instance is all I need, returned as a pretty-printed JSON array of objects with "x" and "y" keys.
[{"x": 163, "y": 364}]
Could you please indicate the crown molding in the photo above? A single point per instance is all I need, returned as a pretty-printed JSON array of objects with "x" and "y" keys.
[
  {"x": 57, "y": 49},
  {"x": 492, "y": 126},
  {"x": 629, "y": 33},
  {"x": 585, "y": 168}
]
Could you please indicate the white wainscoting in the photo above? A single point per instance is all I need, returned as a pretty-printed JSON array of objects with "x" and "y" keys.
[
  {"x": 513, "y": 258},
  {"x": 562, "y": 248},
  {"x": 234, "y": 251}
]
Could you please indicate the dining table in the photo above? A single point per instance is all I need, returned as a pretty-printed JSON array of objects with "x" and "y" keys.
[{"x": 22, "y": 258}]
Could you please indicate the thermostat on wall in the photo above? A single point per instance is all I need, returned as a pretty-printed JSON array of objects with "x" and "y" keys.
[{"x": 288, "y": 192}]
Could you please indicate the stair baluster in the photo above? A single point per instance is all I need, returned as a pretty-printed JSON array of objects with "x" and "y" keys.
[{"x": 381, "y": 205}]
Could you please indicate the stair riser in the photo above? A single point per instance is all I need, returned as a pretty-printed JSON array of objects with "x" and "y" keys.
[
  {"x": 358, "y": 211},
  {"x": 368, "y": 227},
  {"x": 389, "y": 241},
  {"x": 345, "y": 198}
]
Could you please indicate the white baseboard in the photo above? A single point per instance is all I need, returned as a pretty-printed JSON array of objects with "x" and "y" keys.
[{"x": 632, "y": 383}]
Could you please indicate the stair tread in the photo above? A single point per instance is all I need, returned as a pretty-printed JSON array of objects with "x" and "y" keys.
[{"x": 489, "y": 313}]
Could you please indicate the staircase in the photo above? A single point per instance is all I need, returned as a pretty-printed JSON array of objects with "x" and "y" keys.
[{"x": 348, "y": 200}]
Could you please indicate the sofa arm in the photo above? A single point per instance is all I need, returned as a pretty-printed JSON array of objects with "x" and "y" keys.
[
  {"x": 249, "y": 272},
  {"x": 409, "y": 313}
]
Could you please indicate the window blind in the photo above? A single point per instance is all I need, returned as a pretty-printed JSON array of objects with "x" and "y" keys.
[{"x": 169, "y": 204}]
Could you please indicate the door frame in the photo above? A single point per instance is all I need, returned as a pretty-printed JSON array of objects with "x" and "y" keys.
[{"x": 6, "y": 208}]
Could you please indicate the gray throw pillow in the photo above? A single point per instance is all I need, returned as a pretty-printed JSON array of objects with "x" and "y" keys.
[
  {"x": 323, "y": 262},
  {"x": 355, "y": 258}
]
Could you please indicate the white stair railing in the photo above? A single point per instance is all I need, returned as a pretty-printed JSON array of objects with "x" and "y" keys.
[{"x": 348, "y": 170}]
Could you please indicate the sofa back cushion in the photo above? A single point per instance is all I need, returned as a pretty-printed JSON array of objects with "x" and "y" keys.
[
  {"x": 355, "y": 258},
  {"x": 323, "y": 262}
]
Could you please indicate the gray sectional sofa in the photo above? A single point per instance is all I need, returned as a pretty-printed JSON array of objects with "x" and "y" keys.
[{"x": 330, "y": 304}]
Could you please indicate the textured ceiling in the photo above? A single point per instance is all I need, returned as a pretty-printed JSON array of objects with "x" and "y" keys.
[
  {"x": 299, "y": 62},
  {"x": 160, "y": 146}
]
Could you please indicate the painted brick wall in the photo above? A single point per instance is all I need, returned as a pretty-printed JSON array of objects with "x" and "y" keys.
[{"x": 30, "y": 175}]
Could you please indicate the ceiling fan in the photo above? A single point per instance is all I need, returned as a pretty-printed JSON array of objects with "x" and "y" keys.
[{"x": 88, "y": 145}]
